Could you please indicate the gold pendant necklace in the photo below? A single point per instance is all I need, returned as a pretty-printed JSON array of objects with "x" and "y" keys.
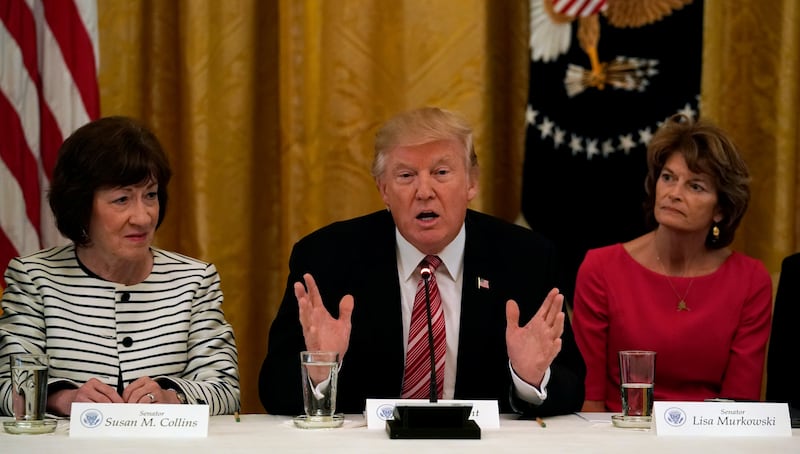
[{"x": 682, "y": 306}]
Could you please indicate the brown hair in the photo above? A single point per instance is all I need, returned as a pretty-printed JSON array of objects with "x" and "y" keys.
[{"x": 707, "y": 149}]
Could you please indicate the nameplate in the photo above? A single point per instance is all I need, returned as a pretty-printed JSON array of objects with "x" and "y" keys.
[
  {"x": 138, "y": 420},
  {"x": 484, "y": 412},
  {"x": 722, "y": 418}
]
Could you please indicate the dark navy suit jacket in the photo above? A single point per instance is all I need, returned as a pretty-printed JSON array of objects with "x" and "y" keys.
[
  {"x": 358, "y": 257},
  {"x": 782, "y": 382}
]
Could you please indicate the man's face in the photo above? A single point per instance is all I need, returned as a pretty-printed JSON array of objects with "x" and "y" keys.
[{"x": 427, "y": 188}]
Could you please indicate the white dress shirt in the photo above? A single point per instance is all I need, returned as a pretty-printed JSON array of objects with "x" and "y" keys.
[{"x": 449, "y": 277}]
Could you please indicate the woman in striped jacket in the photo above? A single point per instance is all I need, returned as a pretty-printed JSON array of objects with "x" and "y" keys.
[{"x": 121, "y": 320}]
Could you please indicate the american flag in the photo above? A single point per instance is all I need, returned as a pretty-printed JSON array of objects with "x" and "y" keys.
[
  {"x": 583, "y": 8},
  {"x": 48, "y": 88}
]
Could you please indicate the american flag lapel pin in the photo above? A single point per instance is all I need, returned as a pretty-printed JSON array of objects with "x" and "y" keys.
[{"x": 483, "y": 283}]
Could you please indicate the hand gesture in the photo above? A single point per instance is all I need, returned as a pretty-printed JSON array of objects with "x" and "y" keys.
[
  {"x": 321, "y": 331},
  {"x": 531, "y": 348}
]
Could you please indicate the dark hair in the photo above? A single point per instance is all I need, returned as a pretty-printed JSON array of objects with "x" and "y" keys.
[
  {"x": 707, "y": 149},
  {"x": 106, "y": 153}
]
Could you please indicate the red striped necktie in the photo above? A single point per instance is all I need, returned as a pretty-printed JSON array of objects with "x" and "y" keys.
[{"x": 417, "y": 377}]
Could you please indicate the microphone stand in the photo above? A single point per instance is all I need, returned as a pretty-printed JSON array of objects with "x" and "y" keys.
[
  {"x": 433, "y": 420},
  {"x": 433, "y": 393}
]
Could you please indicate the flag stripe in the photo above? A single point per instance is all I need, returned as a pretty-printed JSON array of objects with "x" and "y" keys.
[
  {"x": 582, "y": 8},
  {"x": 76, "y": 50},
  {"x": 19, "y": 22},
  {"x": 20, "y": 163},
  {"x": 48, "y": 88},
  {"x": 17, "y": 230},
  {"x": 50, "y": 139},
  {"x": 20, "y": 210},
  {"x": 6, "y": 248}
]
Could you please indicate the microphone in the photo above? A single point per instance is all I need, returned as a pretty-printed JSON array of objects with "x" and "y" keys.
[
  {"x": 426, "y": 276},
  {"x": 434, "y": 420}
]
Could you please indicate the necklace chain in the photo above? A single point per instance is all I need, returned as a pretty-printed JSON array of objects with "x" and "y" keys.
[{"x": 681, "y": 300}]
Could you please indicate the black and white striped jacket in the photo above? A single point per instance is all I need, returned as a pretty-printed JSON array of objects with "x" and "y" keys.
[{"x": 169, "y": 327}]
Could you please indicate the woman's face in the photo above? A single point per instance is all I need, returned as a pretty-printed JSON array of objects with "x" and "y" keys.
[
  {"x": 685, "y": 200},
  {"x": 123, "y": 221}
]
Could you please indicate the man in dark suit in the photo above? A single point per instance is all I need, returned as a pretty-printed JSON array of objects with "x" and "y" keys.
[
  {"x": 782, "y": 383},
  {"x": 351, "y": 288}
]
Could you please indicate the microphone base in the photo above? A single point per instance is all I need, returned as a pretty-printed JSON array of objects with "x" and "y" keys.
[{"x": 433, "y": 421}]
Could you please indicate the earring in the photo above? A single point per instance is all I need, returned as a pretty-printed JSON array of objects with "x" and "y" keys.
[{"x": 715, "y": 233}]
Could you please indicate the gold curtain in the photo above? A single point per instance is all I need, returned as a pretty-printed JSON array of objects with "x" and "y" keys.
[
  {"x": 751, "y": 68},
  {"x": 268, "y": 109}
]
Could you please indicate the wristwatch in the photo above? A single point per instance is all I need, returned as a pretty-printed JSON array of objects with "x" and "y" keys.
[{"x": 180, "y": 395}]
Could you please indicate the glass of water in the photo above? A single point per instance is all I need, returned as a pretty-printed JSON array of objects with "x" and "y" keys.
[
  {"x": 637, "y": 370},
  {"x": 29, "y": 373},
  {"x": 319, "y": 376}
]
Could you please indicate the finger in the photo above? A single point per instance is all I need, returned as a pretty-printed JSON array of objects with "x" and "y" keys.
[
  {"x": 142, "y": 390},
  {"x": 300, "y": 291},
  {"x": 346, "y": 308},
  {"x": 559, "y": 325},
  {"x": 544, "y": 308},
  {"x": 106, "y": 394},
  {"x": 556, "y": 347},
  {"x": 512, "y": 314},
  {"x": 149, "y": 398},
  {"x": 136, "y": 388},
  {"x": 147, "y": 395},
  {"x": 555, "y": 308},
  {"x": 303, "y": 305},
  {"x": 313, "y": 290},
  {"x": 550, "y": 306}
]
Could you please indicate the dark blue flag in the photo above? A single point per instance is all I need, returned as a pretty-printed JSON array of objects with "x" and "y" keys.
[{"x": 593, "y": 104}]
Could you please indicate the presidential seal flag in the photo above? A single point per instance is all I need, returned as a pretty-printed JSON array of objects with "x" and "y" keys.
[
  {"x": 604, "y": 74},
  {"x": 48, "y": 88}
]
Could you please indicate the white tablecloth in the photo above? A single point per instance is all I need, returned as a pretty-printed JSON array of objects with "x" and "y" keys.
[{"x": 277, "y": 434}]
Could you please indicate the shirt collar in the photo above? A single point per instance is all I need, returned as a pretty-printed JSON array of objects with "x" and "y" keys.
[{"x": 452, "y": 255}]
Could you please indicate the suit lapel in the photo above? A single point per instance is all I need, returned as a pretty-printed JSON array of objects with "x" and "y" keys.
[{"x": 382, "y": 319}]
